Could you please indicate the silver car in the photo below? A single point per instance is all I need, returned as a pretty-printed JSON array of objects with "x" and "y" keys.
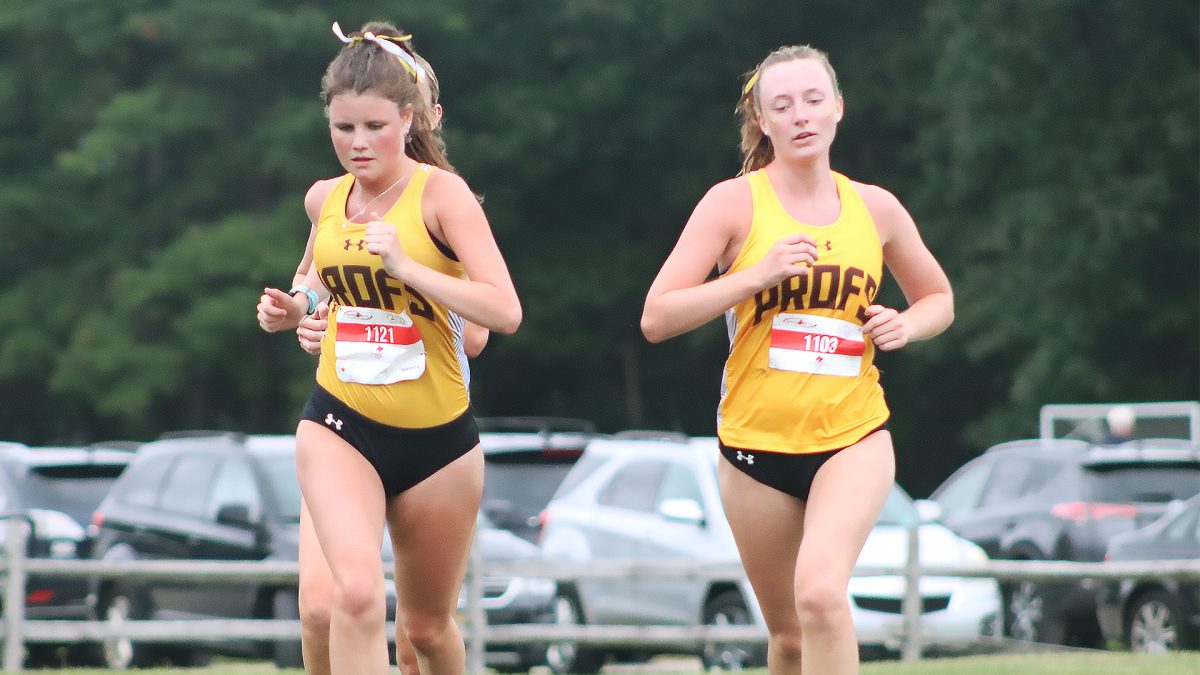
[{"x": 657, "y": 499}]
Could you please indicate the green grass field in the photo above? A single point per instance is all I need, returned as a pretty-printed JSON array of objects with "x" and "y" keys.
[{"x": 1032, "y": 664}]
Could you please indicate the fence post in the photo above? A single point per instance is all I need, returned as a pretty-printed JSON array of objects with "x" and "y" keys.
[
  {"x": 476, "y": 617},
  {"x": 14, "y": 595},
  {"x": 911, "y": 604}
]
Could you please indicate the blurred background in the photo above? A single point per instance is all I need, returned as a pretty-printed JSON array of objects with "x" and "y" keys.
[{"x": 154, "y": 155}]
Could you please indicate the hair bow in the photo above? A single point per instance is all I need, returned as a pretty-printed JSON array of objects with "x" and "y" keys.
[{"x": 388, "y": 44}]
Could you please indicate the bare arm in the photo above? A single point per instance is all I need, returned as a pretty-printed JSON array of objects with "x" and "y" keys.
[
  {"x": 277, "y": 310},
  {"x": 487, "y": 296},
  {"x": 922, "y": 280},
  {"x": 681, "y": 300}
]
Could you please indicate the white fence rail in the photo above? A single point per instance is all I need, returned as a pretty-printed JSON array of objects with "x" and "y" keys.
[{"x": 18, "y": 631}]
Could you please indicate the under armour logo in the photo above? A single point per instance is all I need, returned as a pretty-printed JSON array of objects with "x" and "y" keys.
[
  {"x": 331, "y": 422},
  {"x": 360, "y": 244},
  {"x": 747, "y": 458},
  {"x": 828, "y": 245}
]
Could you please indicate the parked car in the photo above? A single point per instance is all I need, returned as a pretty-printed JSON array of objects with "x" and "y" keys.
[
  {"x": 226, "y": 496},
  {"x": 511, "y": 600},
  {"x": 657, "y": 499},
  {"x": 1155, "y": 615},
  {"x": 526, "y": 459},
  {"x": 1058, "y": 499},
  {"x": 218, "y": 496},
  {"x": 55, "y": 489}
]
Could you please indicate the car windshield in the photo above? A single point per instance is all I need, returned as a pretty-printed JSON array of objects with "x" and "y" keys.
[
  {"x": 73, "y": 489},
  {"x": 1144, "y": 482},
  {"x": 898, "y": 509},
  {"x": 518, "y": 485},
  {"x": 281, "y": 472}
]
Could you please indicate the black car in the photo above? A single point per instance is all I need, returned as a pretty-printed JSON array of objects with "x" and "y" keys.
[
  {"x": 526, "y": 459},
  {"x": 1058, "y": 499},
  {"x": 56, "y": 489},
  {"x": 1155, "y": 615},
  {"x": 210, "y": 497}
]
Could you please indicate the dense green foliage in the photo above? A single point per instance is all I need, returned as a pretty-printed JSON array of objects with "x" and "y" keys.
[{"x": 154, "y": 155}]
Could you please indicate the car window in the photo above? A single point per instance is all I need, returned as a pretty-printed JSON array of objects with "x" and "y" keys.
[
  {"x": 188, "y": 484},
  {"x": 963, "y": 491},
  {"x": 898, "y": 510},
  {"x": 1185, "y": 527},
  {"x": 74, "y": 490},
  {"x": 679, "y": 483},
  {"x": 516, "y": 489},
  {"x": 583, "y": 468},
  {"x": 1007, "y": 481},
  {"x": 281, "y": 474},
  {"x": 234, "y": 484},
  {"x": 1158, "y": 483},
  {"x": 142, "y": 482},
  {"x": 634, "y": 486}
]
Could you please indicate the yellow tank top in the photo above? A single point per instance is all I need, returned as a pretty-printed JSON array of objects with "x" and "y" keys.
[
  {"x": 800, "y": 376},
  {"x": 424, "y": 376}
]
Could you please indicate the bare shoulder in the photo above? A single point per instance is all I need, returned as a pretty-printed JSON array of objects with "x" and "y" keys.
[
  {"x": 727, "y": 206},
  {"x": 885, "y": 209},
  {"x": 315, "y": 198},
  {"x": 446, "y": 183}
]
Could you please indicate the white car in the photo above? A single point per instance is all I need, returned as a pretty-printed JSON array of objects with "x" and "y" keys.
[{"x": 657, "y": 498}]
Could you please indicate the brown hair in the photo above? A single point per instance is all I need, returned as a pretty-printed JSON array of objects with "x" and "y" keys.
[
  {"x": 756, "y": 147},
  {"x": 363, "y": 66}
]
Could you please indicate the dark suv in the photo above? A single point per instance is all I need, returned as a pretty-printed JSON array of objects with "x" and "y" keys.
[
  {"x": 212, "y": 497},
  {"x": 526, "y": 459},
  {"x": 55, "y": 489},
  {"x": 1058, "y": 499}
]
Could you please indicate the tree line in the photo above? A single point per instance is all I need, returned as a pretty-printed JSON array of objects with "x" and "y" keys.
[{"x": 155, "y": 154}]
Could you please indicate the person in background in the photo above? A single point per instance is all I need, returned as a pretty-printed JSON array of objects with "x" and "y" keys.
[
  {"x": 1121, "y": 422},
  {"x": 807, "y": 460}
]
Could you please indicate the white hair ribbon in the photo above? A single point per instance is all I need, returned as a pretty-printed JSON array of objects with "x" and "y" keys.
[{"x": 386, "y": 44}]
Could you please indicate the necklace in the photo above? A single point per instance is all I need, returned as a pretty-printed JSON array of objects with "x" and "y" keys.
[{"x": 372, "y": 200}]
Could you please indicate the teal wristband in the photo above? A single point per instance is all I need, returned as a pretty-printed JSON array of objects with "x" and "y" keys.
[{"x": 313, "y": 300}]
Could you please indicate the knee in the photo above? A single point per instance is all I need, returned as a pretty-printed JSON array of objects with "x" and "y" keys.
[
  {"x": 426, "y": 632},
  {"x": 360, "y": 596},
  {"x": 784, "y": 645},
  {"x": 316, "y": 602},
  {"x": 821, "y": 605}
]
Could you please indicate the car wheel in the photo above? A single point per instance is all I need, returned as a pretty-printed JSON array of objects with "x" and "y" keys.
[
  {"x": 727, "y": 608},
  {"x": 569, "y": 657},
  {"x": 123, "y": 653},
  {"x": 1025, "y": 611},
  {"x": 1156, "y": 624},
  {"x": 286, "y": 605}
]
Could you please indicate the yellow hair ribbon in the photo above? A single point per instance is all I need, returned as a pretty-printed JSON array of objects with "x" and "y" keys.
[
  {"x": 388, "y": 44},
  {"x": 751, "y": 82}
]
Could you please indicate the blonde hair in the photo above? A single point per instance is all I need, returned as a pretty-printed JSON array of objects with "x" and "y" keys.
[{"x": 756, "y": 147}]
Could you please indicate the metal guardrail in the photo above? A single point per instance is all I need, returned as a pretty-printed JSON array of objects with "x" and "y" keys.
[{"x": 17, "y": 630}]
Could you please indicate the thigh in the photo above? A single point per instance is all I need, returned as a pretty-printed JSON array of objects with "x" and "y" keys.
[
  {"x": 344, "y": 498},
  {"x": 316, "y": 581},
  {"x": 847, "y": 494},
  {"x": 431, "y": 525},
  {"x": 767, "y": 526}
]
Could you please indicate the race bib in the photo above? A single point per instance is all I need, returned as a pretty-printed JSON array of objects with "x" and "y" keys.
[
  {"x": 373, "y": 346},
  {"x": 803, "y": 343}
]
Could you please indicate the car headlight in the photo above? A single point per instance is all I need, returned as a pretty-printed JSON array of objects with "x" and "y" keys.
[
  {"x": 974, "y": 555},
  {"x": 535, "y": 586}
]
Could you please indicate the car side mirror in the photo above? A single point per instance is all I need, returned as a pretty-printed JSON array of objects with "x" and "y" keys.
[
  {"x": 235, "y": 515},
  {"x": 928, "y": 511},
  {"x": 682, "y": 511}
]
